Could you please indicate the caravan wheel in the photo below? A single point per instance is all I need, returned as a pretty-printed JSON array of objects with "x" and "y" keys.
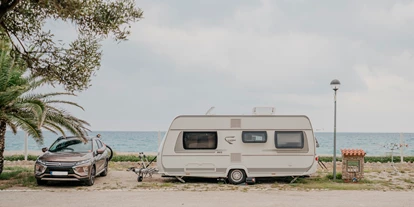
[{"x": 237, "y": 176}]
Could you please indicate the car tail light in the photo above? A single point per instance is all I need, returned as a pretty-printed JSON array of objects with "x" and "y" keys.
[{"x": 316, "y": 158}]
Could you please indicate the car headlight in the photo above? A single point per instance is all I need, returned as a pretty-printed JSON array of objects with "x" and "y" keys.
[
  {"x": 41, "y": 162},
  {"x": 83, "y": 162},
  {"x": 40, "y": 167},
  {"x": 82, "y": 167}
]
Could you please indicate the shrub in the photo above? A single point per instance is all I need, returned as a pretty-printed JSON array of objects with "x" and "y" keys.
[
  {"x": 130, "y": 158},
  {"x": 338, "y": 176},
  {"x": 115, "y": 158},
  {"x": 329, "y": 159},
  {"x": 381, "y": 159},
  {"x": 20, "y": 157},
  {"x": 134, "y": 158}
]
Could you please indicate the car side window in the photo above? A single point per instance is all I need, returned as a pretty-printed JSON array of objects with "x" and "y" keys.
[{"x": 99, "y": 144}]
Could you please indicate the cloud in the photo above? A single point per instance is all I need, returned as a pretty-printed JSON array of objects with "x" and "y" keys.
[
  {"x": 265, "y": 57},
  {"x": 393, "y": 16},
  {"x": 255, "y": 59},
  {"x": 187, "y": 56}
]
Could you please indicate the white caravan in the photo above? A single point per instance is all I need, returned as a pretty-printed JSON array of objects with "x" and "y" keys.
[{"x": 237, "y": 147}]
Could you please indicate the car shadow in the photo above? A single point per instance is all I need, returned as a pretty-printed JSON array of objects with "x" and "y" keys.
[{"x": 64, "y": 184}]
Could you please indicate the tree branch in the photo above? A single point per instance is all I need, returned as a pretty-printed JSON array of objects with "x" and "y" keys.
[
  {"x": 4, "y": 8},
  {"x": 11, "y": 40},
  {"x": 8, "y": 34}
]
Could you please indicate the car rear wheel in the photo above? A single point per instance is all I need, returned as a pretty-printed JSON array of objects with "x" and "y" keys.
[
  {"x": 41, "y": 182},
  {"x": 105, "y": 171},
  {"x": 91, "y": 179}
]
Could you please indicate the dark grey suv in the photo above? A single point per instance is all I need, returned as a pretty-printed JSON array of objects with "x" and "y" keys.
[{"x": 73, "y": 159}]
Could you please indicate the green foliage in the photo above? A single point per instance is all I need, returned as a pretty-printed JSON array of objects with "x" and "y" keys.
[
  {"x": 130, "y": 158},
  {"x": 380, "y": 159},
  {"x": 338, "y": 176},
  {"x": 20, "y": 157},
  {"x": 13, "y": 172},
  {"x": 326, "y": 182},
  {"x": 17, "y": 176},
  {"x": 115, "y": 158},
  {"x": 31, "y": 112},
  {"x": 19, "y": 109},
  {"x": 23, "y": 22},
  {"x": 134, "y": 158},
  {"x": 329, "y": 159}
]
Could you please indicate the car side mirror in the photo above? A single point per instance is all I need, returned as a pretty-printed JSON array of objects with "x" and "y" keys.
[{"x": 45, "y": 149}]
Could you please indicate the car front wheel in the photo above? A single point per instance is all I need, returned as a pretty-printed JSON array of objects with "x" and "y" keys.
[{"x": 91, "y": 179}]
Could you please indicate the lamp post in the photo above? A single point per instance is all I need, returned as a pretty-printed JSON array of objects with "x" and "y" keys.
[{"x": 335, "y": 86}]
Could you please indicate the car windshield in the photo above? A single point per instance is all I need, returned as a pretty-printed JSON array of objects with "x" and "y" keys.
[{"x": 71, "y": 145}]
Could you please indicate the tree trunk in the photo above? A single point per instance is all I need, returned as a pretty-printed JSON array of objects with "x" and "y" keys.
[{"x": 2, "y": 140}]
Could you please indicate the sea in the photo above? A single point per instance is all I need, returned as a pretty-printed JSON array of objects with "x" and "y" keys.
[{"x": 374, "y": 144}]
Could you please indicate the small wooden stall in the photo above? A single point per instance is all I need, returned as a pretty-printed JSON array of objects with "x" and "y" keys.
[{"x": 352, "y": 164}]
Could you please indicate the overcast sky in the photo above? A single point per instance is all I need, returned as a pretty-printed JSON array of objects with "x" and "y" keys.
[{"x": 185, "y": 57}]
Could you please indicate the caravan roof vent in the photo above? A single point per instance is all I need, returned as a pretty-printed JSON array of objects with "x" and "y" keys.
[{"x": 263, "y": 110}]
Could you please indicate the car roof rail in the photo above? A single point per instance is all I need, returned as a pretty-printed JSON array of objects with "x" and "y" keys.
[{"x": 61, "y": 137}]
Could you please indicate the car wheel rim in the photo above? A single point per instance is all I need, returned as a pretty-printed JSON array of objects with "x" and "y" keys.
[{"x": 237, "y": 175}]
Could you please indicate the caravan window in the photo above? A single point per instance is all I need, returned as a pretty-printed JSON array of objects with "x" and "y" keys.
[
  {"x": 254, "y": 137},
  {"x": 200, "y": 140},
  {"x": 290, "y": 140}
]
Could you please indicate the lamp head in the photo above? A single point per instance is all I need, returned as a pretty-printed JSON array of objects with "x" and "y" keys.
[{"x": 335, "y": 84}]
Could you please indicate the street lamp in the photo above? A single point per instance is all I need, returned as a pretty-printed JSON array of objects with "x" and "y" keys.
[{"x": 335, "y": 86}]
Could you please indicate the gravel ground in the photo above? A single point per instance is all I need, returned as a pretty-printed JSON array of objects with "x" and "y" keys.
[
  {"x": 380, "y": 176},
  {"x": 120, "y": 188}
]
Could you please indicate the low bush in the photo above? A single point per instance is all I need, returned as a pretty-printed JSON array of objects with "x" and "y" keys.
[
  {"x": 20, "y": 157},
  {"x": 382, "y": 159},
  {"x": 130, "y": 158},
  {"x": 135, "y": 158},
  {"x": 338, "y": 176},
  {"x": 115, "y": 158}
]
